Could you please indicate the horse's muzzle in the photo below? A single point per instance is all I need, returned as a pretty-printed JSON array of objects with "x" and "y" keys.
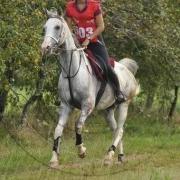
[{"x": 45, "y": 48}]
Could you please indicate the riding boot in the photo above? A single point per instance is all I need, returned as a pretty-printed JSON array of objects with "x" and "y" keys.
[{"x": 120, "y": 98}]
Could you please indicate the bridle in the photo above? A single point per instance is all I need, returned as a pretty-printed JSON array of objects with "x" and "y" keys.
[
  {"x": 62, "y": 36},
  {"x": 58, "y": 46}
]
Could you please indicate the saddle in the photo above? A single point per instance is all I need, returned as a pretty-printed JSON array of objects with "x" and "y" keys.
[
  {"x": 99, "y": 72},
  {"x": 96, "y": 67}
]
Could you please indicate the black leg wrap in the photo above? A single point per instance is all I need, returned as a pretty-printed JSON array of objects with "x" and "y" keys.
[
  {"x": 56, "y": 143},
  {"x": 120, "y": 157},
  {"x": 112, "y": 148},
  {"x": 78, "y": 139}
]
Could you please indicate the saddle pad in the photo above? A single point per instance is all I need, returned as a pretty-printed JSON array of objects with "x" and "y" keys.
[{"x": 96, "y": 68}]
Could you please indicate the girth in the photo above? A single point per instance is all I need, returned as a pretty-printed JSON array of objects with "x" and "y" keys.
[{"x": 74, "y": 102}]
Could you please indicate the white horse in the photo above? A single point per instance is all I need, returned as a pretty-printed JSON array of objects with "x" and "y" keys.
[{"x": 78, "y": 87}]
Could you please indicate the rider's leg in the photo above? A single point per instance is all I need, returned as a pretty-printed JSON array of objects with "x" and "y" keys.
[
  {"x": 100, "y": 52},
  {"x": 115, "y": 84}
]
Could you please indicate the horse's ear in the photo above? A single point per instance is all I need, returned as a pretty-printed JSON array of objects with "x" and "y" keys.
[
  {"x": 45, "y": 11},
  {"x": 60, "y": 11},
  {"x": 51, "y": 13}
]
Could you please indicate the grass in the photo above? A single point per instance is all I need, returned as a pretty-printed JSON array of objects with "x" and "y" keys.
[{"x": 152, "y": 152}]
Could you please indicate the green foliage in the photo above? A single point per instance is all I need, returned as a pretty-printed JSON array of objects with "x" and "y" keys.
[
  {"x": 147, "y": 31},
  {"x": 21, "y": 26}
]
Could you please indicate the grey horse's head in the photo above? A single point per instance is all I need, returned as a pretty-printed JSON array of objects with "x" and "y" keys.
[{"x": 54, "y": 31}]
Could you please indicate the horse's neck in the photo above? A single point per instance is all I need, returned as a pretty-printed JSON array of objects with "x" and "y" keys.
[
  {"x": 69, "y": 42},
  {"x": 69, "y": 55}
]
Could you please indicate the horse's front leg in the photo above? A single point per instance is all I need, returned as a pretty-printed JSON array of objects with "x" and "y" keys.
[
  {"x": 86, "y": 109},
  {"x": 122, "y": 114},
  {"x": 63, "y": 117}
]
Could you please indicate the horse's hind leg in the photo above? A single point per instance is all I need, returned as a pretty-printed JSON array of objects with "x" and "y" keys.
[
  {"x": 122, "y": 114},
  {"x": 109, "y": 116},
  {"x": 85, "y": 111},
  {"x": 120, "y": 151},
  {"x": 63, "y": 117}
]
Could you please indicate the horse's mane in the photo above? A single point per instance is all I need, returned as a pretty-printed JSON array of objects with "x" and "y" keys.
[{"x": 78, "y": 45}]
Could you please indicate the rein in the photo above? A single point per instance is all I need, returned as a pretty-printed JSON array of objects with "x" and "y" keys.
[
  {"x": 58, "y": 49},
  {"x": 68, "y": 73},
  {"x": 59, "y": 42}
]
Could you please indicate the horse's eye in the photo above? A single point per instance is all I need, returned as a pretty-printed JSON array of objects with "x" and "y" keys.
[{"x": 57, "y": 28}]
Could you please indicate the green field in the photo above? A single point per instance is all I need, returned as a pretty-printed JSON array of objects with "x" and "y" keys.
[{"x": 152, "y": 152}]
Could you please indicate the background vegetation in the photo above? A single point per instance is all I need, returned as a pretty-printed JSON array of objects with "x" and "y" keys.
[{"x": 146, "y": 31}]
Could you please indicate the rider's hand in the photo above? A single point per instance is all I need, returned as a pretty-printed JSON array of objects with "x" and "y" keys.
[{"x": 85, "y": 43}]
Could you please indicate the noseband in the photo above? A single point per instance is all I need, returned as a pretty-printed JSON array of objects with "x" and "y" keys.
[{"x": 59, "y": 42}]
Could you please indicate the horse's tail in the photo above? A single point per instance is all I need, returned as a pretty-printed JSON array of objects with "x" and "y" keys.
[
  {"x": 130, "y": 64},
  {"x": 138, "y": 89}
]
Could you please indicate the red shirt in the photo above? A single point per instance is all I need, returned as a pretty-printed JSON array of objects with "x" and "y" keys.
[{"x": 84, "y": 19}]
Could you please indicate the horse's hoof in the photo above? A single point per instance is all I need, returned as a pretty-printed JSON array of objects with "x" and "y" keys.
[
  {"x": 54, "y": 164},
  {"x": 109, "y": 158},
  {"x": 82, "y": 151},
  {"x": 108, "y": 162},
  {"x": 121, "y": 158},
  {"x": 83, "y": 155}
]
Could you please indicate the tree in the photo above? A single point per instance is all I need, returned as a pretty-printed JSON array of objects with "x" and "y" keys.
[{"x": 146, "y": 31}]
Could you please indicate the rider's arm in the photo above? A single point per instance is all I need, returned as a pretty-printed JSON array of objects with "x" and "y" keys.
[
  {"x": 100, "y": 26},
  {"x": 69, "y": 23},
  {"x": 68, "y": 17}
]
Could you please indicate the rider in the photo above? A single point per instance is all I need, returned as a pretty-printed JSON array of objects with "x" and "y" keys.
[{"x": 86, "y": 15}]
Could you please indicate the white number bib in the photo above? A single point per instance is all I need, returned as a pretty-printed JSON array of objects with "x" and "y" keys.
[{"x": 85, "y": 32}]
